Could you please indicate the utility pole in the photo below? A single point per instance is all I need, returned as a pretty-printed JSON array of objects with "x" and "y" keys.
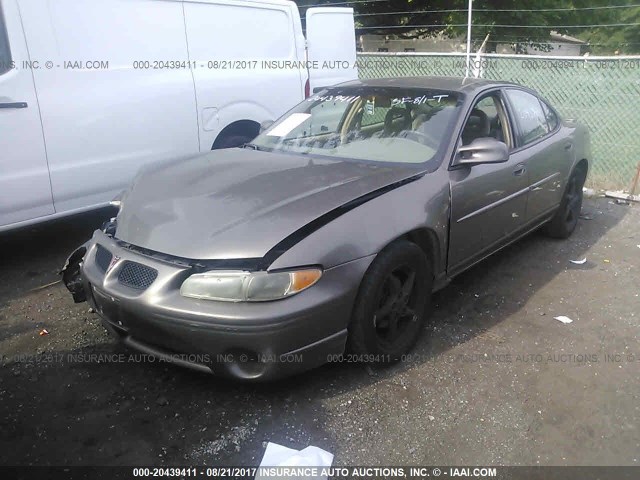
[{"x": 469, "y": 38}]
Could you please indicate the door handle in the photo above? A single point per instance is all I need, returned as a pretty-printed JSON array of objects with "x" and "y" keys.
[
  {"x": 520, "y": 170},
  {"x": 14, "y": 105}
]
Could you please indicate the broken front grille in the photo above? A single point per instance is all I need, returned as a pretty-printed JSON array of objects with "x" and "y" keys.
[
  {"x": 136, "y": 275},
  {"x": 103, "y": 258}
]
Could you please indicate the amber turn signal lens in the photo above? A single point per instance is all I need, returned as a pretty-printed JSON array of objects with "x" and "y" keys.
[{"x": 304, "y": 279}]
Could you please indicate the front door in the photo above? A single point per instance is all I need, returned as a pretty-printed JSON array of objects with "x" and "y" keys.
[{"x": 488, "y": 202}]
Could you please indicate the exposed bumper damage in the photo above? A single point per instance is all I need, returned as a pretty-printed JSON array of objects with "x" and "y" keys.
[
  {"x": 136, "y": 292},
  {"x": 251, "y": 341},
  {"x": 72, "y": 274}
]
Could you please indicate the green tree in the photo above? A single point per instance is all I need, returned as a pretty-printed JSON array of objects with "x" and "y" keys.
[
  {"x": 523, "y": 22},
  {"x": 616, "y": 40}
]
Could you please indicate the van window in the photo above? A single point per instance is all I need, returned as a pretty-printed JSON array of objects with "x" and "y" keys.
[
  {"x": 230, "y": 32},
  {"x": 5, "y": 53}
]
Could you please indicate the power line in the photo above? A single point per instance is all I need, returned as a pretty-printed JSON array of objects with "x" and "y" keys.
[
  {"x": 511, "y": 39},
  {"x": 415, "y": 12},
  {"x": 341, "y": 3},
  {"x": 433, "y": 25},
  {"x": 562, "y": 9},
  {"x": 502, "y": 39}
]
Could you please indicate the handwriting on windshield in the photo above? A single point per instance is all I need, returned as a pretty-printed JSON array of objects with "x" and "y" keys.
[
  {"x": 333, "y": 98},
  {"x": 417, "y": 100}
]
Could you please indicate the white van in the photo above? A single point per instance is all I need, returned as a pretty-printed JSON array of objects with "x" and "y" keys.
[{"x": 90, "y": 90}]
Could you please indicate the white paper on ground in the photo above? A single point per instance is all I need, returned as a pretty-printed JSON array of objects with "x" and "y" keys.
[
  {"x": 563, "y": 319},
  {"x": 579, "y": 262},
  {"x": 288, "y": 124},
  {"x": 278, "y": 456}
]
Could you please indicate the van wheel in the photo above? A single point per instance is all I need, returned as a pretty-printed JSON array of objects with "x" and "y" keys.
[
  {"x": 565, "y": 220},
  {"x": 232, "y": 141},
  {"x": 390, "y": 308}
]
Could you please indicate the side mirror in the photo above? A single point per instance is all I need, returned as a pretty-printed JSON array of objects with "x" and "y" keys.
[
  {"x": 265, "y": 125},
  {"x": 482, "y": 150}
]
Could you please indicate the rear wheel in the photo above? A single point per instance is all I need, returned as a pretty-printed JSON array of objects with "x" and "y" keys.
[
  {"x": 390, "y": 308},
  {"x": 233, "y": 141},
  {"x": 236, "y": 134},
  {"x": 565, "y": 220}
]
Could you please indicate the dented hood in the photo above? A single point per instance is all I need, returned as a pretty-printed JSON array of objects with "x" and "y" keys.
[{"x": 239, "y": 203}]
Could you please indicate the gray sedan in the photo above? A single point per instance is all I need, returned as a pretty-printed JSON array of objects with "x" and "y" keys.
[{"x": 328, "y": 233}]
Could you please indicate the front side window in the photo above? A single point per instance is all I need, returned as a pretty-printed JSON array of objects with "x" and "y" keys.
[
  {"x": 529, "y": 115},
  {"x": 5, "y": 53},
  {"x": 487, "y": 119},
  {"x": 366, "y": 123}
]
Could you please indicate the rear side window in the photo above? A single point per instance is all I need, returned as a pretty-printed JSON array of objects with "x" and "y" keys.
[
  {"x": 552, "y": 118},
  {"x": 5, "y": 53},
  {"x": 529, "y": 115}
]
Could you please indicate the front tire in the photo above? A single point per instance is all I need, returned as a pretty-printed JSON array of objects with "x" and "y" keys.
[
  {"x": 565, "y": 220},
  {"x": 390, "y": 308}
]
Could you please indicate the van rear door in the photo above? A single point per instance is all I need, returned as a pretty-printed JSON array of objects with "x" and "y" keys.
[
  {"x": 25, "y": 190},
  {"x": 331, "y": 42}
]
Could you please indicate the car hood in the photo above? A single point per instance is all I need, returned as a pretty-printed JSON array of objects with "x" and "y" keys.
[{"x": 239, "y": 203}]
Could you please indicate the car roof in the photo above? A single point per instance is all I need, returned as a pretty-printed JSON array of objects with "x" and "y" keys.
[{"x": 455, "y": 84}]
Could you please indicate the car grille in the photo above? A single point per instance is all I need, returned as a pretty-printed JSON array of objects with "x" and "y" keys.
[
  {"x": 103, "y": 258},
  {"x": 136, "y": 275}
]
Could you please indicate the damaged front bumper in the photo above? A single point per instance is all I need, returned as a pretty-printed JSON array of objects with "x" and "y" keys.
[
  {"x": 138, "y": 298},
  {"x": 72, "y": 270},
  {"x": 72, "y": 275}
]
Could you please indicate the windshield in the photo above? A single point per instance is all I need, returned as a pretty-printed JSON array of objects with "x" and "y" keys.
[{"x": 377, "y": 124}]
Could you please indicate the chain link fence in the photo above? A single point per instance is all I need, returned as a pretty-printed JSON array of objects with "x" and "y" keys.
[{"x": 601, "y": 92}]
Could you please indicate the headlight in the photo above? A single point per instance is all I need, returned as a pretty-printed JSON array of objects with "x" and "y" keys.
[{"x": 248, "y": 287}]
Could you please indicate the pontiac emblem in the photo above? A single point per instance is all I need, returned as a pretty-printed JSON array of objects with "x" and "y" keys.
[{"x": 113, "y": 261}]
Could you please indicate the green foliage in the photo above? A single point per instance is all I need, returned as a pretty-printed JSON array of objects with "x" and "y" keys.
[
  {"x": 616, "y": 40},
  {"x": 527, "y": 22}
]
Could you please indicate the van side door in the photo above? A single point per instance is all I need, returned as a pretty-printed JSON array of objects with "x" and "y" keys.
[
  {"x": 111, "y": 99},
  {"x": 25, "y": 190}
]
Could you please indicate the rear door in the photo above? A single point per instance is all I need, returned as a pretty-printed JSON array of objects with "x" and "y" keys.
[
  {"x": 331, "y": 46},
  {"x": 547, "y": 154},
  {"x": 25, "y": 190}
]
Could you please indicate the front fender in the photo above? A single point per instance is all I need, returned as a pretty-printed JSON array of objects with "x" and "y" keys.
[{"x": 367, "y": 229}]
